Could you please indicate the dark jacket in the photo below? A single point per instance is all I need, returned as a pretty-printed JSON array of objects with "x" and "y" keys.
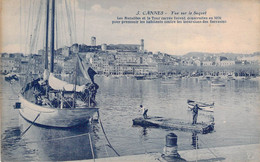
[{"x": 195, "y": 109}]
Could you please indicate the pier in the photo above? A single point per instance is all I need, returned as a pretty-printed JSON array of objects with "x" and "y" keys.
[
  {"x": 170, "y": 153},
  {"x": 173, "y": 124},
  {"x": 229, "y": 153}
]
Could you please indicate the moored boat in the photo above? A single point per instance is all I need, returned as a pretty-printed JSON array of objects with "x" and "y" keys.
[
  {"x": 55, "y": 117},
  {"x": 204, "y": 106},
  {"x": 168, "y": 82},
  {"x": 10, "y": 77},
  {"x": 151, "y": 77},
  {"x": 140, "y": 77},
  {"x": 52, "y": 102},
  {"x": 218, "y": 84}
]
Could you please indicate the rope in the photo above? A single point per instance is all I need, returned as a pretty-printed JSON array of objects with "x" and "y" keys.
[
  {"x": 61, "y": 138},
  {"x": 209, "y": 149},
  {"x": 20, "y": 25},
  {"x": 64, "y": 27},
  {"x": 84, "y": 22},
  {"x": 109, "y": 144},
  {"x": 32, "y": 25},
  {"x": 66, "y": 101},
  {"x": 105, "y": 149},
  {"x": 75, "y": 22},
  {"x": 36, "y": 31},
  {"x": 92, "y": 151},
  {"x": 69, "y": 20},
  {"x": 56, "y": 27},
  {"x": 28, "y": 27},
  {"x": 30, "y": 125},
  {"x": 34, "y": 35},
  {"x": 137, "y": 137}
]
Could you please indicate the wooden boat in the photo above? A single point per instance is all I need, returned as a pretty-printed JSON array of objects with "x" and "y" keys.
[
  {"x": 204, "y": 106},
  {"x": 51, "y": 102},
  {"x": 140, "y": 77},
  {"x": 10, "y": 77},
  {"x": 168, "y": 82},
  {"x": 203, "y": 79},
  {"x": 218, "y": 84},
  {"x": 150, "y": 77},
  {"x": 48, "y": 116}
]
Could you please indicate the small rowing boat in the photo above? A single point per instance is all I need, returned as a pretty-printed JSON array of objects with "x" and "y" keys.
[
  {"x": 204, "y": 106},
  {"x": 168, "y": 82},
  {"x": 218, "y": 84}
]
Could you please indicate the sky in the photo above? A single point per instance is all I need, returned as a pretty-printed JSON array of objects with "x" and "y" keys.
[{"x": 240, "y": 33}]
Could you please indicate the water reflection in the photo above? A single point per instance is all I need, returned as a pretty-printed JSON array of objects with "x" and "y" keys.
[
  {"x": 10, "y": 138},
  {"x": 58, "y": 144},
  {"x": 195, "y": 139},
  {"x": 41, "y": 143},
  {"x": 236, "y": 114},
  {"x": 144, "y": 131}
]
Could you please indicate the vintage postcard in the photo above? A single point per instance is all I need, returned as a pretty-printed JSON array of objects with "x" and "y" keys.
[{"x": 139, "y": 80}]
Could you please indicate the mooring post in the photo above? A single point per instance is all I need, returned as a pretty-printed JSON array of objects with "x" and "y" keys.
[{"x": 170, "y": 151}]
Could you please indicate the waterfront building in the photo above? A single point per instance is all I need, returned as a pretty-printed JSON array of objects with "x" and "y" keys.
[
  {"x": 104, "y": 47},
  {"x": 97, "y": 63},
  {"x": 4, "y": 55},
  {"x": 10, "y": 62},
  {"x": 208, "y": 63},
  {"x": 89, "y": 56},
  {"x": 197, "y": 62},
  {"x": 142, "y": 45},
  {"x": 252, "y": 59},
  {"x": 123, "y": 63},
  {"x": 227, "y": 63},
  {"x": 24, "y": 67},
  {"x": 93, "y": 41},
  {"x": 7, "y": 64},
  {"x": 59, "y": 60},
  {"x": 69, "y": 66},
  {"x": 123, "y": 47},
  {"x": 36, "y": 64}
]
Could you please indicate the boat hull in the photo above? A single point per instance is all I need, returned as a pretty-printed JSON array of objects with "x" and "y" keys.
[
  {"x": 140, "y": 77},
  {"x": 54, "y": 117},
  {"x": 218, "y": 85},
  {"x": 168, "y": 82},
  {"x": 203, "y": 106}
]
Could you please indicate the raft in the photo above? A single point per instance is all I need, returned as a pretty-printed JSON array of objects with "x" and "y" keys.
[{"x": 171, "y": 124}]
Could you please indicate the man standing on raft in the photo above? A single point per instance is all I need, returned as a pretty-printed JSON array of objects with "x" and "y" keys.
[{"x": 144, "y": 111}]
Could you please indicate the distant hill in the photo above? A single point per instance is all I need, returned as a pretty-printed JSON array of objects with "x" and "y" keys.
[{"x": 228, "y": 55}]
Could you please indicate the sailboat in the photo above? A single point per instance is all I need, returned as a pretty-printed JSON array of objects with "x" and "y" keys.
[{"x": 51, "y": 102}]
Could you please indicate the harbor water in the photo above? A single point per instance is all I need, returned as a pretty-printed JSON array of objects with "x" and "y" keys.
[{"x": 236, "y": 116}]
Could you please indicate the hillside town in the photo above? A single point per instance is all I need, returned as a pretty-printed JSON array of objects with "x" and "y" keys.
[{"x": 134, "y": 60}]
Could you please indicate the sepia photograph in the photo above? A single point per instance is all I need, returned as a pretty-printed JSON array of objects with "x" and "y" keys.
[{"x": 137, "y": 81}]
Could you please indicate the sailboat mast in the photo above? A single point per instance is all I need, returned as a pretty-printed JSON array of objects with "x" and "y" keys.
[
  {"x": 52, "y": 35},
  {"x": 47, "y": 34},
  {"x": 75, "y": 84}
]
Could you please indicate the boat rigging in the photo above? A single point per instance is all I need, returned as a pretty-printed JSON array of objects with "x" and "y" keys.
[{"x": 49, "y": 101}]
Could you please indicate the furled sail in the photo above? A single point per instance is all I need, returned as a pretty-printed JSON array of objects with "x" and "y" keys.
[
  {"x": 58, "y": 84},
  {"x": 87, "y": 71}
]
